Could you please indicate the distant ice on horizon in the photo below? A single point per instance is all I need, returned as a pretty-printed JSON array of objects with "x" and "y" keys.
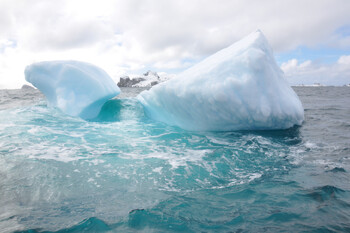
[{"x": 238, "y": 88}]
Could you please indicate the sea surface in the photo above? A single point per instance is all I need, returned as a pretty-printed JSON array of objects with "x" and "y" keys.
[{"x": 123, "y": 172}]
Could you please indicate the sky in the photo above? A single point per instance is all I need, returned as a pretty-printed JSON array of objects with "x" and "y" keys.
[{"x": 310, "y": 38}]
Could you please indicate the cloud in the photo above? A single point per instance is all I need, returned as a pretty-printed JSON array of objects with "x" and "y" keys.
[
  {"x": 309, "y": 73},
  {"x": 48, "y": 25},
  {"x": 344, "y": 60},
  {"x": 128, "y": 36},
  {"x": 203, "y": 27}
]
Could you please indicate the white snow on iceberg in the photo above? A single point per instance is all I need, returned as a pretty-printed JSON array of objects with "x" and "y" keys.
[
  {"x": 77, "y": 88},
  {"x": 238, "y": 88},
  {"x": 148, "y": 79}
]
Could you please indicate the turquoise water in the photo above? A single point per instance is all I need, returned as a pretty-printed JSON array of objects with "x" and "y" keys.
[{"x": 123, "y": 172}]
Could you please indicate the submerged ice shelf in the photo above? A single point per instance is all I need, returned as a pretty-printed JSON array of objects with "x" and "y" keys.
[
  {"x": 238, "y": 88},
  {"x": 77, "y": 88}
]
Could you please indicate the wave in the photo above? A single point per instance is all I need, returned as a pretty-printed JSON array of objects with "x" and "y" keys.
[{"x": 88, "y": 225}]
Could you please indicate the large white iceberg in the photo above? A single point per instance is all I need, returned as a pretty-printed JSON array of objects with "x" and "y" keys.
[
  {"x": 238, "y": 88},
  {"x": 77, "y": 88}
]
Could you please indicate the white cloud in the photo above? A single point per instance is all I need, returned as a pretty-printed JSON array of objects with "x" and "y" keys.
[
  {"x": 344, "y": 60},
  {"x": 128, "y": 35},
  {"x": 49, "y": 25},
  {"x": 309, "y": 73},
  {"x": 203, "y": 27}
]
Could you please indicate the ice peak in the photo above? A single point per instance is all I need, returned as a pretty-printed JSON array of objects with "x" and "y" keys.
[{"x": 238, "y": 88}]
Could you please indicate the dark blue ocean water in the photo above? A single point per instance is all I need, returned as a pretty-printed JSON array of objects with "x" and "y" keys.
[{"x": 123, "y": 172}]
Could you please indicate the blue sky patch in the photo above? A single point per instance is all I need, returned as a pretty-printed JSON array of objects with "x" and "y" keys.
[{"x": 319, "y": 55}]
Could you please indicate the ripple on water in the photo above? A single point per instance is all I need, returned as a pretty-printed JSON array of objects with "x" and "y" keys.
[{"x": 125, "y": 172}]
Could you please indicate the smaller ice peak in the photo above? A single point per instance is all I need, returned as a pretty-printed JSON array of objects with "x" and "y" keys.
[
  {"x": 148, "y": 79},
  {"x": 27, "y": 87},
  {"x": 151, "y": 73},
  {"x": 77, "y": 88},
  {"x": 240, "y": 87}
]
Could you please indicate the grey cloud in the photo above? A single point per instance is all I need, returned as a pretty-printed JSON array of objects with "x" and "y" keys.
[
  {"x": 197, "y": 27},
  {"x": 75, "y": 35},
  {"x": 186, "y": 24}
]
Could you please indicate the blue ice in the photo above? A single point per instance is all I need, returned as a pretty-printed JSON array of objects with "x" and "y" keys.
[
  {"x": 238, "y": 88},
  {"x": 77, "y": 88}
]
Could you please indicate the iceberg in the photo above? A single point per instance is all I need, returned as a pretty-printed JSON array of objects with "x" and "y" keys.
[
  {"x": 148, "y": 79},
  {"x": 238, "y": 88},
  {"x": 77, "y": 88}
]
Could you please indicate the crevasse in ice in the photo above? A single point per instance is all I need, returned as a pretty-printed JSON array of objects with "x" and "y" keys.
[
  {"x": 238, "y": 88},
  {"x": 77, "y": 88}
]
